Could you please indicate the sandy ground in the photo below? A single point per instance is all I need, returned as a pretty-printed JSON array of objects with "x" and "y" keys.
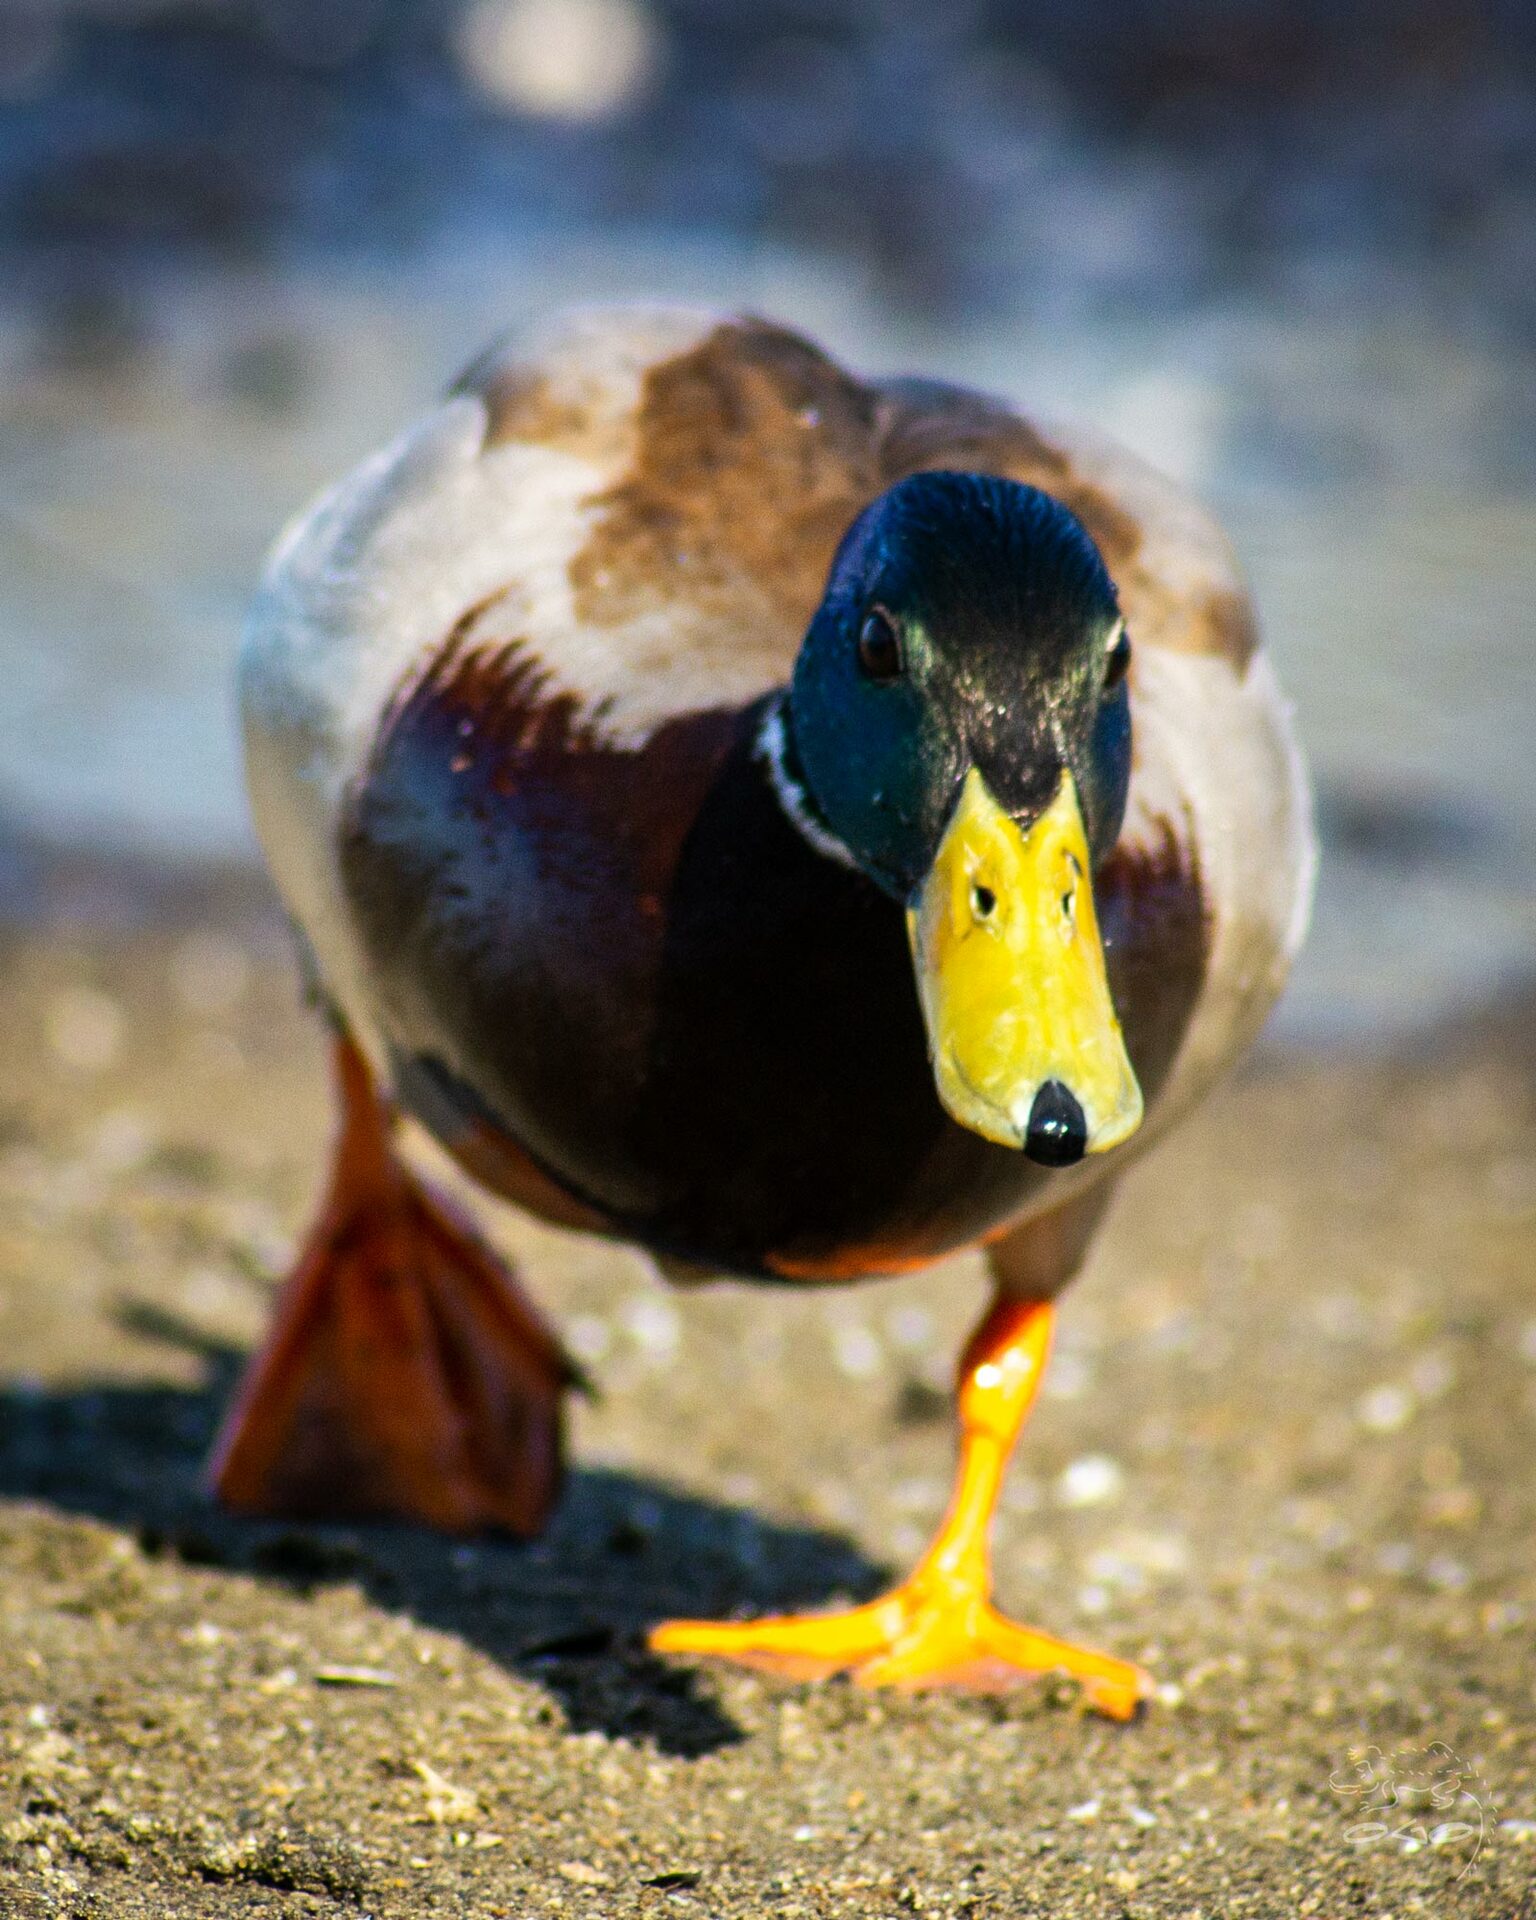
[{"x": 1284, "y": 1458}]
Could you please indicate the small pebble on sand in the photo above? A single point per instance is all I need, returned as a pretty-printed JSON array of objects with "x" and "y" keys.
[
  {"x": 1090, "y": 1481},
  {"x": 1385, "y": 1409}
]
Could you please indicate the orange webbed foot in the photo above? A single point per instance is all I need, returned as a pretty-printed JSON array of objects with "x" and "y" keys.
[
  {"x": 406, "y": 1375},
  {"x": 939, "y": 1627},
  {"x": 911, "y": 1639}
]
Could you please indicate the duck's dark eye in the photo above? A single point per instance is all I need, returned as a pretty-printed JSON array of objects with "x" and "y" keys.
[
  {"x": 879, "y": 646},
  {"x": 1117, "y": 662}
]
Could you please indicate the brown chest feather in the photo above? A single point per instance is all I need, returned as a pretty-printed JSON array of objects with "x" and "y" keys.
[{"x": 627, "y": 968}]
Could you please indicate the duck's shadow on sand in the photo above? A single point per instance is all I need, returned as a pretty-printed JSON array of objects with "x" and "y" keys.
[{"x": 567, "y": 1611}]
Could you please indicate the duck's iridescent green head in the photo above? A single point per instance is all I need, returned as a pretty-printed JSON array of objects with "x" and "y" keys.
[{"x": 959, "y": 719}]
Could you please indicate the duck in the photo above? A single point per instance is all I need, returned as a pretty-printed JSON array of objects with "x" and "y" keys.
[{"x": 800, "y": 824}]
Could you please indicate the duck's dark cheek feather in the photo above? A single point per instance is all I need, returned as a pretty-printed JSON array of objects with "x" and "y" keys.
[
  {"x": 873, "y": 761},
  {"x": 677, "y": 1013},
  {"x": 1107, "y": 778}
]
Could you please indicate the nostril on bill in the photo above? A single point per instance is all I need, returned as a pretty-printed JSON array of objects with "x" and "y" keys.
[{"x": 1057, "y": 1135}]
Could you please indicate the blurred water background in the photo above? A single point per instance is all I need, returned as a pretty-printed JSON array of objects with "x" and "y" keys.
[{"x": 1287, "y": 251}]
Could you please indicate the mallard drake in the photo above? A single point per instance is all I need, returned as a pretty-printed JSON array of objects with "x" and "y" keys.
[{"x": 800, "y": 824}]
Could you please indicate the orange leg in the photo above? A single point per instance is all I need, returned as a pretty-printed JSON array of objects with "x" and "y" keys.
[
  {"x": 406, "y": 1374},
  {"x": 939, "y": 1626}
]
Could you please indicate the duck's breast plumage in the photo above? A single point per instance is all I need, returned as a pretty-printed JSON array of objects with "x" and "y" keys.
[{"x": 507, "y": 692}]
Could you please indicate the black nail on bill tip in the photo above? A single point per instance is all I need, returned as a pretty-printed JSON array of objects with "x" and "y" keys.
[{"x": 1058, "y": 1133}]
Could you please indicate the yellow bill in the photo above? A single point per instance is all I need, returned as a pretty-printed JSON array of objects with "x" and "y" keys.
[{"x": 1023, "y": 1034}]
